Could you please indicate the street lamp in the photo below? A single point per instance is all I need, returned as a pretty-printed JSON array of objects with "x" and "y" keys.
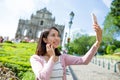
[
  {"x": 70, "y": 24},
  {"x": 65, "y": 38}
]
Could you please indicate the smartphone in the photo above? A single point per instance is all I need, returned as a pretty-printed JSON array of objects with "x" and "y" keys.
[{"x": 94, "y": 18}]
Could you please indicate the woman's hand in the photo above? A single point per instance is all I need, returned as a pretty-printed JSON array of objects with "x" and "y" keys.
[
  {"x": 50, "y": 50},
  {"x": 97, "y": 29}
]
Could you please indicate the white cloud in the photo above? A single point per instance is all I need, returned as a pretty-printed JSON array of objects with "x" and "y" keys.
[{"x": 107, "y": 2}]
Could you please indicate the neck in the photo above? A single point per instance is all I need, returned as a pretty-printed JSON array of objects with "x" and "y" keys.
[{"x": 47, "y": 55}]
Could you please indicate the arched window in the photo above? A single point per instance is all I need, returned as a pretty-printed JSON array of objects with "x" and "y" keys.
[
  {"x": 41, "y": 23},
  {"x": 38, "y": 34},
  {"x": 25, "y": 32}
]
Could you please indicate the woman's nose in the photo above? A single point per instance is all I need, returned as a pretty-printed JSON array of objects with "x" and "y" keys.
[{"x": 56, "y": 37}]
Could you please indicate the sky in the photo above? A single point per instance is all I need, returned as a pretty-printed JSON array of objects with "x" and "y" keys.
[{"x": 13, "y": 10}]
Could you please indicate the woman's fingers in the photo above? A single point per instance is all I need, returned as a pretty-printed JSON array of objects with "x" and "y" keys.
[
  {"x": 48, "y": 46},
  {"x": 98, "y": 31},
  {"x": 50, "y": 50},
  {"x": 97, "y": 27}
]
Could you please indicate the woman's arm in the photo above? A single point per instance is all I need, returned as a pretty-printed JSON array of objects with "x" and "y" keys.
[
  {"x": 81, "y": 60},
  {"x": 72, "y": 60},
  {"x": 41, "y": 72},
  {"x": 87, "y": 58},
  {"x": 89, "y": 55}
]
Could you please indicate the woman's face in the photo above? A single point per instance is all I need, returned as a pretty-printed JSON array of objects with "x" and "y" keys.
[{"x": 53, "y": 38}]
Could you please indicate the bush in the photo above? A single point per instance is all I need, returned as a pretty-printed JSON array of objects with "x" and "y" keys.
[
  {"x": 110, "y": 49},
  {"x": 24, "y": 41},
  {"x": 28, "y": 76},
  {"x": 60, "y": 48},
  {"x": 117, "y": 50},
  {"x": 8, "y": 42},
  {"x": 16, "y": 57},
  {"x": 80, "y": 45}
]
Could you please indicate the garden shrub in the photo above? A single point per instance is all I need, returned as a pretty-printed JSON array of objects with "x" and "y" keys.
[
  {"x": 110, "y": 49},
  {"x": 117, "y": 50},
  {"x": 16, "y": 57}
]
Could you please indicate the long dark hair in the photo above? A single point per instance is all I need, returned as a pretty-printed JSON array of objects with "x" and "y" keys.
[{"x": 41, "y": 47}]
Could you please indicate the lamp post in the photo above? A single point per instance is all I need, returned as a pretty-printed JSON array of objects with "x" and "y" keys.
[
  {"x": 65, "y": 38},
  {"x": 70, "y": 24}
]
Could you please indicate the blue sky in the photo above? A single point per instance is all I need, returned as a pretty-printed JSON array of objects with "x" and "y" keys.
[{"x": 12, "y": 10}]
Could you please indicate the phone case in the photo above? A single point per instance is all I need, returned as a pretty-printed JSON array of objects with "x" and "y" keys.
[{"x": 94, "y": 18}]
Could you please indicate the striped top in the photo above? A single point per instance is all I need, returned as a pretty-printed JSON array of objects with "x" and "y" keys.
[{"x": 57, "y": 72}]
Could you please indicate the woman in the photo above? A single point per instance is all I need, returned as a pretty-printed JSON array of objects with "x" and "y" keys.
[{"x": 49, "y": 64}]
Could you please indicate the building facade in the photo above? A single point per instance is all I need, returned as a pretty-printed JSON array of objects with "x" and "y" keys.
[{"x": 32, "y": 28}]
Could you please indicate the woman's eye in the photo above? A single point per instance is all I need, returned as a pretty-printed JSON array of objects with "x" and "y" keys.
[{"x": 53, "y": 35}]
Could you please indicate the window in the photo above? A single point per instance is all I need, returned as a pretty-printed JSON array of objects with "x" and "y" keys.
[
  {"x": 38, "y": 34},
  {"x": 41, "y": 23},
  {"x": 25, "y": 32}
]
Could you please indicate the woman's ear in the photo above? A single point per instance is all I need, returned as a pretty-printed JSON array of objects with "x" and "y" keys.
[{"x": 45, "y": 40}]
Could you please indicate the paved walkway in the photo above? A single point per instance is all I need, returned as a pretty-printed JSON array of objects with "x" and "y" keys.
[{"x": 91, "y": 72}]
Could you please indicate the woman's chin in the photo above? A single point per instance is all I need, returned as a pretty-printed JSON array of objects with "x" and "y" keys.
[{"x": 55, "y": 46}]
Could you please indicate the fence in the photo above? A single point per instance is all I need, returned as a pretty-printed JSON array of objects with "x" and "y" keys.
[{"x": 109, "y": 64}]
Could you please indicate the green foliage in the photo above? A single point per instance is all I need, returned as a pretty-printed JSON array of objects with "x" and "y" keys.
[
  {"x": 28, "y": 76},
  {"x": 117, "y": 50},
  {"x": 114, "y": 57},
  {"x": 109, "y": 29},
  {"x": 115, "y": 12},
  {"x": 80, "y": 45},
  {"x": 116, "y": 43},
  {"x": 102, "y": 48},
  {"x": 112, "y": 26},
  {"x": 110, "y": 49},
  {"x": 24, "y": 41},
  {"x": 60, "y": 48},
  {"x": 16, "y": 57},
  {"x": 8, "y": 41},
  {"x": 112, "y": 22}
]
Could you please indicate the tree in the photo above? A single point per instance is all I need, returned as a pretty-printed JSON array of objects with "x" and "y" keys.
[
  {"x": 115, "y": 12},
  {"x": 112, "y": 22},
  {"x": 82, "y": 44}
]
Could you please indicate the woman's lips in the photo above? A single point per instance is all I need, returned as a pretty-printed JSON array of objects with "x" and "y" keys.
[{"x": 56, "y": 43}]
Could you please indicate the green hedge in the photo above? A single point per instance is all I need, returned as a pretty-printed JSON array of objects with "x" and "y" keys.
[
  {"x": 110, "y": 49},
  {"x": 16, "y": 57}
]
